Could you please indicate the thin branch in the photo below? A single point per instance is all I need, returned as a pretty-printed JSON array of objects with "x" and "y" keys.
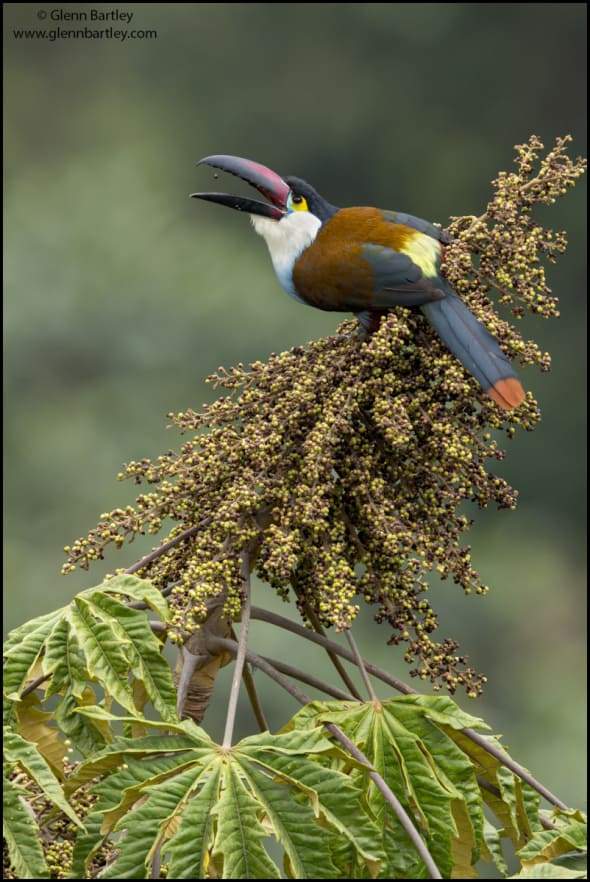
[
  {"x": 514, "y": 767},
  {"x": 319, "y": 629},
  {"x": 217, "y": 643},
  {"x": 32, "y": 686},
  {"x": 255, "y": 702},
  {"x": 361, "y": 665},
  {"x": 162, "y": 549},
  {"x": 240, "y": 656},
  {"x": 316, "y": 682},
  {"x": 264, "y": 615}
]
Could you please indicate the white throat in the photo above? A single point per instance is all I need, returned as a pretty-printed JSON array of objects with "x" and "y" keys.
[{"x": 286, "y": 239}]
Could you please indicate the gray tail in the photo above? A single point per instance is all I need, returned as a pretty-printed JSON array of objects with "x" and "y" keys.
[{"x": 474, "y": 346}]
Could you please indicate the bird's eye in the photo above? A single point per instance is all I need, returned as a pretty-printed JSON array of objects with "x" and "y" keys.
[{"x": 297, "y": 202}]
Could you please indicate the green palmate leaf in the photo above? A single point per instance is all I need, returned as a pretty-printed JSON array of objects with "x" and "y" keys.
[
  {"x": 502, "y": 812},
  {"x": 141, "y": 838},
  {"x": 308, "y": 717},
  {"x": 24, "y": 646},
  {"x": 117, "y": 792},
  {"x": 295, "y": 739},
  {"x": 453, "y": 768},
  {"x": 140, "y": 699},
  {"x": 491, "y": 770},
  {"x": 550, "y": 871},
  {"x": 146, "y": 773},
  {"x": 88, "y": 735},
  {"x": 402, "y": 859},
  {"x": 238, "y": 846},
  {"x": 198, "y": 736},
  {"x": 189, "y": 848},
  {"x": 139, "y": 589},
  {"x": 122, "y": 751},
  {"x": 95, "y": 638},
  {"x": 429, "y": 797},
  {"x": 208, "y": 807},
  {"x": 17, "y": 751},
  {"x": 484, "y": 762},
  {"x": 143, "y": 650},
  {"x": 515, "y": 803},
  {"x": 21, "y": 834},
  {"x": 417, "y": 744},
  {"x": 334, "y": 797},
  {"x": 571, "y": 834},
  {"x": 96, "y": 712},
  {"x": 574, "y": 860},
  {"x": 17, "y": 636},
  {"x": 65, "y": 661},
  {"x": 106, "y": 660},
  {"x": 442, "y": 710},
  {"x": 146, "y": 826},
  {"x": 433, "y": 778},
  {"x": 464, "y": 849},
  {"x": 364, "y": 724},
  {"x": 531, "y": 800},
  {"x": 565, "y": 816},
  {"x": 293, "y": 823}
]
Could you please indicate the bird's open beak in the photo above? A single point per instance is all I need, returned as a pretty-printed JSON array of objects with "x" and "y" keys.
[{"x": 266, "y": 182}]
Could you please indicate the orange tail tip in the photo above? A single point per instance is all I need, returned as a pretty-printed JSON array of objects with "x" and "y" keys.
[{"x": 507, "y": 393}]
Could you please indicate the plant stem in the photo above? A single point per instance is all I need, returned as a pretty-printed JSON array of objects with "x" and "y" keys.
[
  {"x": 304, "y": 677},
  {"x": 361, "y": 665},
  {"x": 264, "y": 615},
  {"x": 240, "y": 656},
  {"x": 514, "y": 767},
  {"x": 254, "y": 699},
  {"x": 32, "y": 686},
  {"x": 162, "y": 549},
  {"x": 317, "y": 625}
]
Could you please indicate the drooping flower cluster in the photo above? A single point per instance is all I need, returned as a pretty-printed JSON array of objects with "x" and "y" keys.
[{"x": 338, "y": 469}]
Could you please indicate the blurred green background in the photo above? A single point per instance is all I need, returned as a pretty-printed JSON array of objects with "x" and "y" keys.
[{"x": 122, "y": 294}]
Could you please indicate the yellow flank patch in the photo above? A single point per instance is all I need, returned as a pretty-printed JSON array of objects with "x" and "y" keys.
[{"x": 424, "y": 251}]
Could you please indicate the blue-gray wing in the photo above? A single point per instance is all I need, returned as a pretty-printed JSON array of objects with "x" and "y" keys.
[{"x": 398, "y": 280}]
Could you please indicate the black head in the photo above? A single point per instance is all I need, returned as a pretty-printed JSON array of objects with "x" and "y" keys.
[{"x": 316, "y": 204}]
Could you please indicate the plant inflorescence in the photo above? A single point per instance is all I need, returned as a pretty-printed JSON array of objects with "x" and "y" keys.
[{"x": 339, "y": 469}]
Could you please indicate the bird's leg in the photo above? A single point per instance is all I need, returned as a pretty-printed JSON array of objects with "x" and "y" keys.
[{"x": 369, "y": 321}]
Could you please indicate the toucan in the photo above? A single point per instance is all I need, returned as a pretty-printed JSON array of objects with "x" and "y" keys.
[{"x": 365, "y": 261}]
